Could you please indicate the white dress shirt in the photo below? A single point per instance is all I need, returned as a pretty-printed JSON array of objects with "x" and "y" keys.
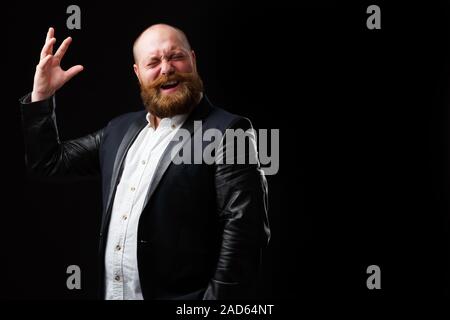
[{"x": 121, "y": 268}]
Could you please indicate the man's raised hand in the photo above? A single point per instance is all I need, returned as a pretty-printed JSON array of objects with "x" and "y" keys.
[{"x": 49, "y": 76}]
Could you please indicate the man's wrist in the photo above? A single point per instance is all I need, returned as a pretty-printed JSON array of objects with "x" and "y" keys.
[{"x": 35, "y": 97}]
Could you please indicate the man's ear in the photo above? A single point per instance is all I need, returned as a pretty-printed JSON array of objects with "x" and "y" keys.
[
  {"x": 194, "y": 60},
  {"x": 136, "y": 72}
]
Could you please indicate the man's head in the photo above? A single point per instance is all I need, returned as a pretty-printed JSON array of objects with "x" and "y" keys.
[{"x": 166, "y": 68}]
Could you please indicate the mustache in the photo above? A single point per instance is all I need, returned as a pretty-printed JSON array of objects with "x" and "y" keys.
[{"x": 163, "y": 79}]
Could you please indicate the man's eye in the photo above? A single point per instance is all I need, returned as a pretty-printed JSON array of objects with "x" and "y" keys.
[
  {"x": 177, "y": 57},
  {"x": 152, "y": 64}
]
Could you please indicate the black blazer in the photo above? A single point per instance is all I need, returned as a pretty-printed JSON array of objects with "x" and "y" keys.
[{"x": 203, "y": 226}]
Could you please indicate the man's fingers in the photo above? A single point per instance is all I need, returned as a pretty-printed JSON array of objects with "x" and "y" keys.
[
  {"x": 72, "y": 72},
  {"x": 50, "y": 34},
  {"x": 63, "y": 48},
  {"x": 44, "y": 62},
  {"x": 47, "y": 48}
]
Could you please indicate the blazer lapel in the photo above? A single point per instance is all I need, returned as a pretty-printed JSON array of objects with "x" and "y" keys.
[
  {"x": 198, "y": 114},
  {"x": 127, "y": 141}
]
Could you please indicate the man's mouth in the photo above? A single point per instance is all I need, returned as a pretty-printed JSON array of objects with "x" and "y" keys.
[{"x": 170, "y": 85}]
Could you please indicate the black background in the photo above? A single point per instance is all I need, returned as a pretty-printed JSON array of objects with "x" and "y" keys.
[{"x": 363, "y": 119}]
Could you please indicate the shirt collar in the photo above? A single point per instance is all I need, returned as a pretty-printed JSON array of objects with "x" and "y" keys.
[{"x": 172, "y": 122}]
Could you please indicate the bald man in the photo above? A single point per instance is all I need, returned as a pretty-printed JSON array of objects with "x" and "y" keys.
[{"x": 169, "y": 230}]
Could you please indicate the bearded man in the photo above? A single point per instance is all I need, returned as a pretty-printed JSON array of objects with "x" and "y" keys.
[{"x": 168, "y": 231}]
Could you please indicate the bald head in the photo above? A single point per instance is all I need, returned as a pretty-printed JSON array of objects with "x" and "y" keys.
[{"x": 157, "y": 32}]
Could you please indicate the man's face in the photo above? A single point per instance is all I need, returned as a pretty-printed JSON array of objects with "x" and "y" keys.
[{"x": 167, "y": 73}]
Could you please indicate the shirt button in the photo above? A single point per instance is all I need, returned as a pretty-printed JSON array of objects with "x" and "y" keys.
[
  {"x": 173, "y": 126},
  {"x": 143, "y": 161},
  {"x": 133, "y": 188},
  {"x": 117, "y": 278},
  {"x": 118, "y": 248},
  {"x": 124, "y": 217}
]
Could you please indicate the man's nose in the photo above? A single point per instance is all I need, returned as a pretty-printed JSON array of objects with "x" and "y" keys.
[{"x": 166, "y": 67}]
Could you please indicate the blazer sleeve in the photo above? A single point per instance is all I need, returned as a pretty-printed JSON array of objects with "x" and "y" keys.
[
  {"x": 242, "y": 198},
  {"x": 45, "y": 154}
]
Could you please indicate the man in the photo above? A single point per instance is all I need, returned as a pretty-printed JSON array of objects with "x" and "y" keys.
[{"x": 168, "y": 231}]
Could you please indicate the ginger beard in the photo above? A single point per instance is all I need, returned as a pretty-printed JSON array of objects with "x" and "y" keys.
[{"x": 171, "y": 95}]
